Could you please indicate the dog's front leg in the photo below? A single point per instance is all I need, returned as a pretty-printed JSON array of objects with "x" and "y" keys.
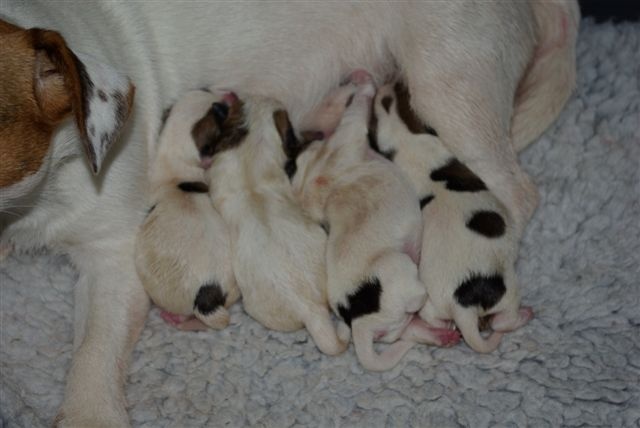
[{"x": 107, "y": 328}]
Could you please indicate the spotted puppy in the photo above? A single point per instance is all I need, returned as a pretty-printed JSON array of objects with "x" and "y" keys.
[
  {"x": 183, "y": 248},
  {"x": 372, "y": 217},
  {"x": 469, "y": 247},
  {"x": 278, "y": 252}
]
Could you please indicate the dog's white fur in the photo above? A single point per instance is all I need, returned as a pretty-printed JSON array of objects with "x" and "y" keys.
[
  {"x": 278, "y": 252},
  {"x": 463, "y": 62},
  {"x": 375, "y": 229},
  {"x": 451, "y": 252},
  {"x": 183, "y": 243}
]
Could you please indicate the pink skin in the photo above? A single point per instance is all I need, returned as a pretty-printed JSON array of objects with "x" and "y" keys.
[
  {"x": 326, "y": 116},
  {"x": 183, "y": 322},
  {"x": 421, "y": 332}
]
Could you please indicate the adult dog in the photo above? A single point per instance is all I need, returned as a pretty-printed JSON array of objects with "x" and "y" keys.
[{"x": 488, "y": 76}]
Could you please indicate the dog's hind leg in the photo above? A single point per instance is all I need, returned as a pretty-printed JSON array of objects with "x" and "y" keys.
[
  {"x": 117, "y": 309},
  {"x": 467, "y": 96}
]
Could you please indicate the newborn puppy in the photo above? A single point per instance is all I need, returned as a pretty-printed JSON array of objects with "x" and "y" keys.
[
  {"x": 183, "y": 249},
  {"x": 469, "y": 247},
  {"x": 373, "y": 220},
  {"x": 278, "y": 252}
]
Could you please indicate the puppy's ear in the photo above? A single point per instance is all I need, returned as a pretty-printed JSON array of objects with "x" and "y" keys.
[
  {"x": 283, "y": 125},
  {"x": 99, "y": 97}
]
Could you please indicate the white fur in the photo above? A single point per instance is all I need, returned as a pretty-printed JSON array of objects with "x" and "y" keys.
[
  {"x": 461, "y": 59},
  {"x": 374, "y": 221},
  {"x": 183, "y": 243},
  {"x": 450, "y": 251},
  {"x": 278, "y": 252}
]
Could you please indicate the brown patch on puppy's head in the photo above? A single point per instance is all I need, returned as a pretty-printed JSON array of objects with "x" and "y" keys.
[{"x": 221, "y": 128}]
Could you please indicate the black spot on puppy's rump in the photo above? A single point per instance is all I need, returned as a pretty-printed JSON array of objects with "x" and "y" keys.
[
  {"x": 209, "y": 298},
  {"x": 424, "y": 201},
  {"x": 480, "y": 290},
  {"x": 193, "y": 187},
  {"x": 458, "y": 177},
  {"x": 487, "y": 223},
  {"x": 366, "y": 300}
]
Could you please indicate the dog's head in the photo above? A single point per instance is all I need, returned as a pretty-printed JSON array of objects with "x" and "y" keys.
[{"x": 44, "y": 84}]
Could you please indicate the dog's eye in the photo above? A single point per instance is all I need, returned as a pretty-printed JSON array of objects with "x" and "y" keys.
[{"x": 220, "y": 112}]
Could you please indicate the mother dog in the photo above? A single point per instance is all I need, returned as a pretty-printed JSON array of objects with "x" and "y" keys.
[{"x": 488, "y": 76}]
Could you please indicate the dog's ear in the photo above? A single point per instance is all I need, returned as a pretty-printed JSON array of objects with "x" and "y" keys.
[{"x": 99, "y": 97}]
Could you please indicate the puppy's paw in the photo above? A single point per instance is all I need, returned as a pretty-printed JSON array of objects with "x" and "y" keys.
[
  {"x": 420, "y": 332},
  {"x": 360, "y": 77}
]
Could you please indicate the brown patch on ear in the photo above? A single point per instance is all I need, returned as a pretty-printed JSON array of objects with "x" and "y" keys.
[{"x": 210, "y": 137}]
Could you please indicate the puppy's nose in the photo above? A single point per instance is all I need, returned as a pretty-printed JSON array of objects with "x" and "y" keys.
[{"x": 230, "y": 98}]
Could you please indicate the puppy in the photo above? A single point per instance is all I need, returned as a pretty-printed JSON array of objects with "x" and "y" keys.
[
  {"x": 183, "y": 249},
  {"x": 468, "y": 247},
  {"x": 373, "y": 221},
  {"x": 278, "y": 252}
]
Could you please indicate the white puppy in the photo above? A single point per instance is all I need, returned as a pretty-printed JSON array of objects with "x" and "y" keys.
[
  {"x": 183, "y": 248},
  {"x": 374, "y": 225},
  {"x": 278, "y": 252},
  {"x": 468, "y": 247}
]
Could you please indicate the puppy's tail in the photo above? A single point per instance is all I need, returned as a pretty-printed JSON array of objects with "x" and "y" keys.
[
  {"x": 209, "y": 306},
  {"x": 551, "y": 76},
  {"x": 467, "y": 322},
  {"x": 369, "y": 358},
  {"x": 323, "y": 332}
]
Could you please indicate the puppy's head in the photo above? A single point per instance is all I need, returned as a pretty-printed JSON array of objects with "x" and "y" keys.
[
  {"x": 393, "y": 123},
  {"x": 45, "y": 83}
]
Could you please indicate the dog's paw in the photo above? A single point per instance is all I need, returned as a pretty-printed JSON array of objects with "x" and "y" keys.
[{"x": 75, "y": 419}]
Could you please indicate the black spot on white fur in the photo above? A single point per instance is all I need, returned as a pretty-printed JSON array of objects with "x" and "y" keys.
[
  {"x": 210, "y": 297},
  {"x": 458, "y": 177},
  {"x": 489, "y": 224},
  {"x": 480, "y": 290},
  {"x": 425, "y": 201},
  {"x": 387, "y": 102},
  {"x": 366, "y": 300},
  {"x": 325, "y": 226},
  {"x": 193, "y": 187}
]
